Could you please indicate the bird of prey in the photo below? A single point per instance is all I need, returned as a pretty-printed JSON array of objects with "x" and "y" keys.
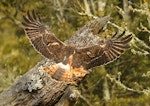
[{"x": 49, "y": 46}]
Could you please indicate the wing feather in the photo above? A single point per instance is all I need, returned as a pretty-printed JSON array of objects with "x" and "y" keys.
[
  {"x": 109, "y": 50},
  {"x": 42, "y": 39}
]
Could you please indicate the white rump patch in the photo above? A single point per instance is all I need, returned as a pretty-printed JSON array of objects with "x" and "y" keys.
[{"x": 63, "y": 66}]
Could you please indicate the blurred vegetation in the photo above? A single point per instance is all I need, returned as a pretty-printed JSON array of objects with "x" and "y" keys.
[{"x": 128, "y": 83}]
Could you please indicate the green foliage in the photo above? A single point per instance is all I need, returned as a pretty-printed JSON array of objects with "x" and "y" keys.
[
  {"x": 130, "y": 101},
  {"x": 65, "y": 17},
  {"x": 15, "y": 58}
]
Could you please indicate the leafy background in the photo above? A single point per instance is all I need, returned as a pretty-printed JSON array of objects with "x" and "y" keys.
[{"x": 125, "y": 82}]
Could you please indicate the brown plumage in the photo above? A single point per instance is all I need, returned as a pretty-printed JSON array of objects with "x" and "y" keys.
[
  {"x": 46, "y": 43},
  {"x": 66, "y": 73}
]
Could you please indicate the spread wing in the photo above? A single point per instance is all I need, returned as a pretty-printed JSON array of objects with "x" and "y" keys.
[
  {"x": 105, "y": 52},
  {"x": 46, "y": 43},
  {"x": 43, "y": 40}
]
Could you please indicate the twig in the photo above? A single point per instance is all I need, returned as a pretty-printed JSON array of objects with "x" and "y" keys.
[
  {"x": 86, "y": 100},
  {"x": 119, "y": 83},
  {"x": 143, "y": 28}
]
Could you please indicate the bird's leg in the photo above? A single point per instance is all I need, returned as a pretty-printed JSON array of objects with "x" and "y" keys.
[{"x": 70, "y": 59}]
